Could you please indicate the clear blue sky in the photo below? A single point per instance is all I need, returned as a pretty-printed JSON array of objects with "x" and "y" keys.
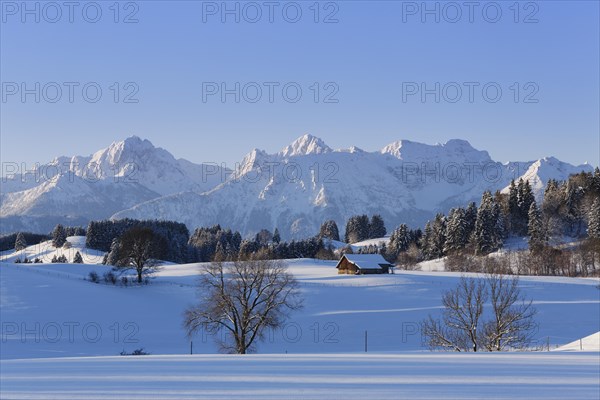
[{"x": 373, "y": 48}]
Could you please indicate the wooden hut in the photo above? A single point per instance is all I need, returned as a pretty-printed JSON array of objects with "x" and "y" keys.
[{"x": 362, "y": 264}]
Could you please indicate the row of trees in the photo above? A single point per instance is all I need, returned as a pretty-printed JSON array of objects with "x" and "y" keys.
[
  {"x": 77, "y": 259},
  {"x": 482, "y": 230},
  {"x": 580, "y": 259},
  {"x": 171, "y": 237},
  {"x": 216, "y": 243}
]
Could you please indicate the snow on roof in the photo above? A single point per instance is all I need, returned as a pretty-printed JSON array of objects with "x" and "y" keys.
[{"x": 367, "y": 261}]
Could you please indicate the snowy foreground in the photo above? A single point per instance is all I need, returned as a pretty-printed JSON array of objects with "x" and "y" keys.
[
  {"x": 423, "y": 376},
  {"x": 61, "y": 338}
]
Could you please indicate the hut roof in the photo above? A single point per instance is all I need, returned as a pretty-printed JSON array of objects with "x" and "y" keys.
[{"x": 365, "y": 261}]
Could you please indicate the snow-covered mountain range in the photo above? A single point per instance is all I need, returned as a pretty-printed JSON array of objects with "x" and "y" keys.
[{"x": 294, "y": 190}]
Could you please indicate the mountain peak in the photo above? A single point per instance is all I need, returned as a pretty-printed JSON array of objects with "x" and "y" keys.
[
  {"x": 304, "y": 145},
  {"x": 135, "y": 142}
]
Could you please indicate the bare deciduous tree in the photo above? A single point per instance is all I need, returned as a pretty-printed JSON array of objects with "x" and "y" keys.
[
  {"x": 459, "y": 329},
  {"x": 244, "y": 299},
  {"x": 137, "y": 250},
  {"x": 512, "y": 325},
  {"x": 462, "y": 326}
]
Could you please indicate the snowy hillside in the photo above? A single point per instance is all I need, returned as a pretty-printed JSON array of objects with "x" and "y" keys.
[
  {"x": 588, "y": 343},
  {"x": 337, "y": 310},
  {"x": 45, "y": 252},
  {"x": 294, "y": 190}
]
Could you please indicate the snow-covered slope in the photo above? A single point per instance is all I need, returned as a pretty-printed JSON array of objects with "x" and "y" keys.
[
  {"x": 68, "y": 194},
  {"x": 588, "y": 343},
  {"x": 306, "y": 183},
  {"x": 45, "y": 252}
]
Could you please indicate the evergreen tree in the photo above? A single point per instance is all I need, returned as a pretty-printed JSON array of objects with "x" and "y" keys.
[
  {"x": 112, "y": 256},
  {"x": 596, "y": 181},
  {"x": 499, "y": 228},
  {"x": 350, "y": 235},
  {"x": 435, "y": 237},
  {"x": 574, "y": 213},
  {"x": 62, "y": 259},
  {"x": 438, "y": 236},
  {"x": 363, "y": 227},
  {"x": 551, "y": 208},
  {"x": 276, "y": 236},
  {"x": 20, "y": 242},
  {"x": 415, "y": 236},
  {"x": 77, "y": 259},
  {"x": 426, "y": 241},
  {"x": 456, "y": 231},
  {"x": 488, "y": 228},
  {"x": 525, "y": 198},
  {"x": 470, "y": 219},
  {"x": 329, "y": 230},
  {"x": 399, "y": 240},
  {"x": 357, "y": 229},
  {"x": 220, "y": 253},
  {"x": 536, "y": 232},
  {"x": 514, "y": 212},
  {"x": 594, "y": 220},
  {"x": 59, "y": 236},
  {"x": 376, "y": 227}
]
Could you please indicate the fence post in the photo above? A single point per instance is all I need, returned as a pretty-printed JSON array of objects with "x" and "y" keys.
[
  {"x": 366, "y": 338},
  {"x": 191, "y": 347}
]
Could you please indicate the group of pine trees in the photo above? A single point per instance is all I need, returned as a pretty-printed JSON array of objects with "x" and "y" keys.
[
  {"x": 401, "y": 241},
  {"x": 359, "y": 228},
  {"x": 479, "y": 230},
  {"x": 212, "y": 243},
  {"x": 205, "y": 244},
  {"x": 171, "y": 237},
  {"x": 570, "y": 208}
]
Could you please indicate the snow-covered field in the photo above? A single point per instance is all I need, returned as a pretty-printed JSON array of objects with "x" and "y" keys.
[
  {"x": 308, "y": 376},
  {"x": 49, "y": 311}
]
